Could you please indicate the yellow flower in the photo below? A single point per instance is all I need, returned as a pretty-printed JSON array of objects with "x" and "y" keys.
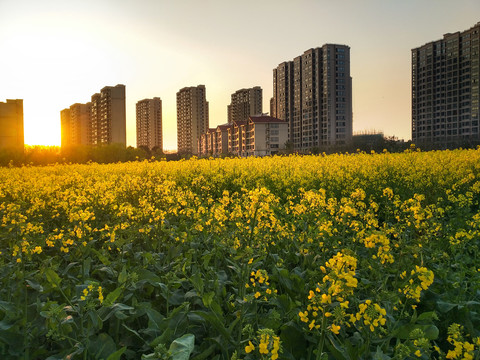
[
  {"x": 100, "y": 294},
  {"x": 263, "y": 346},
  {"x": 249, "y": 348},
  {"x": 335, "y": 329}
]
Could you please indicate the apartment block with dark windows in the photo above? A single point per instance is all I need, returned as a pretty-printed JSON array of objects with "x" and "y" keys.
[
  {"x": 149, "y": 123},
  {"x": 75, "y": 123},
  {"x": 445, "y": 90},
  {"x": 101, "y": 121},
  {"x": 192, "y": 118},
  {"x": 111, "y": 127},
  {"x": 245, "y": 102},
  {"x": 313, "y": 93}
]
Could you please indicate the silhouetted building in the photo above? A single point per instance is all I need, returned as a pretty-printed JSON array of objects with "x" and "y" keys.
[
  {"x": 245, "y": 102},
  {"x": 445, "y": 90},
  {"x": 75, "y": 123},
  {"x": 95, "y": 119},
  {"x": 192, "y": 118},
  {"x": 109, "y": 119},
  {"x": 149, "y": 123},
  {"x": 101, "y": 121},
  {"x": 11, "y": 124},
  {"x": 313, "y": 93},
  {"x": 66, "y": 128}
]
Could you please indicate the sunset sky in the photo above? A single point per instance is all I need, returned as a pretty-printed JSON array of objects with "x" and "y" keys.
[{"x": 56, "y": 53}]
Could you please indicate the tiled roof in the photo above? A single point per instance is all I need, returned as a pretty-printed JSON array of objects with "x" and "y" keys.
[{"x": 265, "y": 119}]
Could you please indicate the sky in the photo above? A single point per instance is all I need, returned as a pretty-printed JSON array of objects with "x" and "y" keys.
[{"x": 54, "y": 53}]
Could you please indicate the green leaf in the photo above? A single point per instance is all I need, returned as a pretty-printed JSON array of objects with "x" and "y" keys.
[
  {"x": 216, "y": 323},
  {"x": 206, "y": 353},
  {"x": 116, "y": 310},
  {"x": 112, "y": 297},
  {"x": 379, "y": 355},
  {"x": 162, "y": 339},
  {"x": 208, "y": 298},
  {"x": 101, "y": 346},
  {"x": 96, "y": 319},
  {"x": 34, "y": 285},
  {"x": 5, "y": 325},
  {"x": 52, "y": 277},
  {"x": 444, "y": 306},
  {"x": 182, "y": 347},
  {"x": 431, "y": 332},
  {"x": 403, "y": 332},
  {"x": 337, "y": 350},
  {"x": 154, "y": 319},
  {"x": 427, "y": 316},
  {"x": 101, "y": 257},
  {"x": 197, "y": 282},
  {"x": 123, "y": 276},
  {"x": 117, "y": 354},
  {"x": 86, "y": 267}
]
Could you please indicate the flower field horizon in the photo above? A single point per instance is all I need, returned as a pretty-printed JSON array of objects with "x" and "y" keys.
[{"x": 345, "y": 256}]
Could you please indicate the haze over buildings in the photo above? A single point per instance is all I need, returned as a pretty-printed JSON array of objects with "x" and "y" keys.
[{"x": 55, "y": 52}]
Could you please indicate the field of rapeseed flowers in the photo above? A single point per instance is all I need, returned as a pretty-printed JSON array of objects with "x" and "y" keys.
[{"x": 363, "y": 256}]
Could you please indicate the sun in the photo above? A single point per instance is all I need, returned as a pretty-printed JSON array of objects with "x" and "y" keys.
[{"x": 43, "y": 129}]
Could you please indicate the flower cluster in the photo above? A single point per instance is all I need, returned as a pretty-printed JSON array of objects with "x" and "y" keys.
[
  {"x": 370, "y": 314},
  {"x": 89, "y": 290},
  {"x": 259, "y": 285},
  {"x": 268, "y": 344},
  {"x": 383, "y": 244},
  {"x": 463, "y": 349},
  {"x": 420, "y": 279},
  {"x": 329, "y": 298}
]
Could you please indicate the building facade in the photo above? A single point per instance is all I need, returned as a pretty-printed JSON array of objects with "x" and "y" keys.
[
  {"x": 265, "y": 135},
  {"x": 192, "y": 118},
  {"x": 313, "y": 94},
  {"x": 259, "y": 135},
  {"x": 66, "y": 128},
  {"x": 112, "y": 123},
  {"x": 245, "y": 102},
  {"x": 149, "y": 123},
  {"x": 445, "y": 90},
  {"x": 11, "y": 124},
  {"x": 99, "y": 122}
]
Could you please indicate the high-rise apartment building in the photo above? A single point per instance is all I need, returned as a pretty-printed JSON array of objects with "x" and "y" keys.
[
  {"x": 101, "y": 121},
  {"x": 192, "y": 118},
  {"x": 75, "y": 123},
  {"x": 245, "y": 102},
  {"x": 111, "y": 123},
  {"x": 11, "y": 124},
  {"x": 149, "y": 123},
  {"x": 313, "y": 93},
  {"x": 95, "y": 119},
  {"x": 66, "y": 128},
  {"x": 445, "y": 90}
]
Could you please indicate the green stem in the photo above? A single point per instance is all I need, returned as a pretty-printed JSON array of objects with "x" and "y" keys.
[
  {"x": 25, "y": 314},
  {"x": 243, "y": 281},
  {"x": 322, "y": 339}
]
